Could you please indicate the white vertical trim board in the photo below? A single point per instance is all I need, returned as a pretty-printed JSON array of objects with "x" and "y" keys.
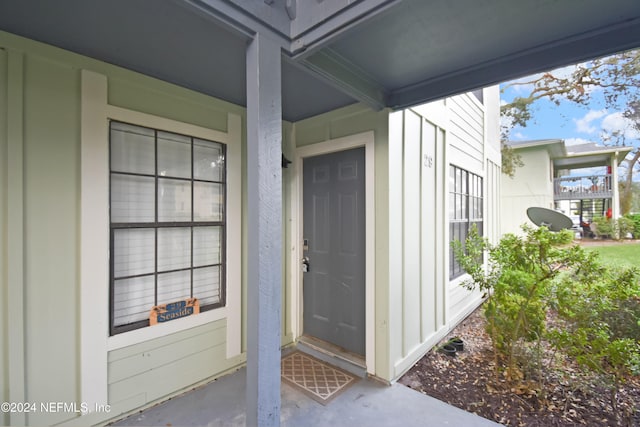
[
  {"x": 395, "y": 208},
  {"x": 370, "y": 225},
  {"x": 411, "y": 220},
  {"x": 234, "y": 233},
  {"x": 443, "y": 218},
  {"x": 295, "y": 231},
  {"x": 366, "y": 140},
  {"x": 94, "y": 239}
]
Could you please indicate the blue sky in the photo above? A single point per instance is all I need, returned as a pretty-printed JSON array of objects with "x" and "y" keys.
[
  {"x": 574, "y": 123},
  {"x": 569, "y": 121}
]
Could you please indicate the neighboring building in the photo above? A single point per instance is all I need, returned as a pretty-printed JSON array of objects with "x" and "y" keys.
[
  {"x": 579, "y": 180},
  {"x": 134, "y": 196}
]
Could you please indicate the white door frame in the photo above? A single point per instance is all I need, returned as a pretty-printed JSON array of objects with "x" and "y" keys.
[{"x": 366, "y": 140}]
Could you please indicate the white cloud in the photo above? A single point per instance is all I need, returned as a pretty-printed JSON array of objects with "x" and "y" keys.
[
  {"x": 519, "y": 136},
  {"x": 616, "y": 122},
  {"x": 586, "y": 125},
  {"x": 576, "y": 141}
]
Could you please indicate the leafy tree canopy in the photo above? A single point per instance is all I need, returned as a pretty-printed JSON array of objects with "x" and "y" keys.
[
  {"x": 615, "y": 78},
  {"x": 618, "y": 76}
]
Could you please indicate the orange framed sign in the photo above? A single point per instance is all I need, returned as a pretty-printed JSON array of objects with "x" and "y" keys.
[{"x": 174, "y": 310}]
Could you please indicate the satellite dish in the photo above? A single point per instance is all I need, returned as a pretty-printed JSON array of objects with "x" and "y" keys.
[{"x": 553, "y": 220}]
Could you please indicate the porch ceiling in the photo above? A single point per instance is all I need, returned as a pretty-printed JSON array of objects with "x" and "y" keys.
[
  {"x": 582, "y": 162},
  {"x": 387, "y": 53}
]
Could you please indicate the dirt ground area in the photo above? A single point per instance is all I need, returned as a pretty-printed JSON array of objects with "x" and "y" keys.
[{"x": 469, "y": 382}]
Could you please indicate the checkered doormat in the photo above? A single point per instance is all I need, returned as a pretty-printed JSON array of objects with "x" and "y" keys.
[{"x": 318, "y": 380}]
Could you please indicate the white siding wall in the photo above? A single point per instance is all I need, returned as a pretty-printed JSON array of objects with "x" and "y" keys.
[
  {"x": 493, "y": 168},
  {"x": 467, "y": 150},
  {"x": 532, "y": 185},
  {"x": 465, "y": 135},
  {"x": 423, "y": 143},
  {"x": 493, "y": 216},
  {"x": 417, "y": 262}
]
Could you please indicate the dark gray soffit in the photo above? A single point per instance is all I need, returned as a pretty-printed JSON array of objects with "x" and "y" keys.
[{"x": 406, "y": 53}]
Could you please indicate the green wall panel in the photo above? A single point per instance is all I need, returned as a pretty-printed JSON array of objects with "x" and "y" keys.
[
  {"x": 154, "y": 354},
  {"x": 4, "y": 373},
  {"x": 50, "y": 171},
  {"x": 51, "y": 151},
  {"x": 164, "y": 100},
  {"x": 178, "y": 374}
]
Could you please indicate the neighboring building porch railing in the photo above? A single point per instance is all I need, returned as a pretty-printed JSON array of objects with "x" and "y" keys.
[{"x": 582, "y": 187}]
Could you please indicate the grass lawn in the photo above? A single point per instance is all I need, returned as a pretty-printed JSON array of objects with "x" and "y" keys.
[{"x": 623, "y": 254}]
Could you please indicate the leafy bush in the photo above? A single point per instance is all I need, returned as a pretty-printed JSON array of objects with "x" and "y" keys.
[
  {"x": 521, "y": 269},
  {"x": 635, "y": 218},
  {"x": 604, "y": 227},
  {"x": 597, "y": 308},
  {"x": 625, "y": 226},
  {"x": 600, "y": 328}
]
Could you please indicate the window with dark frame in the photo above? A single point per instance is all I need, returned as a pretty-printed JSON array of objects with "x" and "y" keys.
[
  {"x": 465, "y": 209},
  {"x": 167, "y": 222}
]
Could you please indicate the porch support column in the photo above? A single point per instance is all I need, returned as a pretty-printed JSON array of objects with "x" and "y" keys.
[
  {"x": 615, "y": 201},
  {"x": 264, "y": 206}
]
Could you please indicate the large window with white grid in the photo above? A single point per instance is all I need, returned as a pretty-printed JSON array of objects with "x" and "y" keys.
[
  {"x": 167, "y": 222},
  {"x": 465, "y": 210}
]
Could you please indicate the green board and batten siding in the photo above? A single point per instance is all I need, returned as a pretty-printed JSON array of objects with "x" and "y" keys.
[
  {"x": 40, "y": 233},
  {"x": 149, "y": 371},
  {"x": 40, "y": 152},
  {"x": 4, "y": 335},
  {"x": 51, "y": 208}
]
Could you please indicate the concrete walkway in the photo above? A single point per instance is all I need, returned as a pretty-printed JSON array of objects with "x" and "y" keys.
[{"x": 366, "y": 403}]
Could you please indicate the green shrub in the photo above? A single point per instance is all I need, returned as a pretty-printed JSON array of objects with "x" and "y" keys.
[
  {"x": 635, "y": 218},
  {"x": 521, "y": 270},
  {"x": 605, "y": 227},
  {"x": 625, "y": 226},
  {"x": 597, "y": 308},
  {"x": 600, "y": 328}
]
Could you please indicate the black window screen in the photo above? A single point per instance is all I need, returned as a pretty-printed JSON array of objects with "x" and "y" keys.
[
  {"x": 167, "y": 222},
  {"x": 465, "y": 209}
]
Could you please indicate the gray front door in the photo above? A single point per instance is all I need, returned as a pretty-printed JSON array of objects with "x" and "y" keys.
[{"x": 334, "y": 234}]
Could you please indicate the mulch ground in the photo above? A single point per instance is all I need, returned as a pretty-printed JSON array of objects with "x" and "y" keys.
[{"x": 469, "y": 382}]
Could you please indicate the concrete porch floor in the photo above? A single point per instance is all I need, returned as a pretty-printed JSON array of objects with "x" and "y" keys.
[{"x": 367, "y": 403}]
